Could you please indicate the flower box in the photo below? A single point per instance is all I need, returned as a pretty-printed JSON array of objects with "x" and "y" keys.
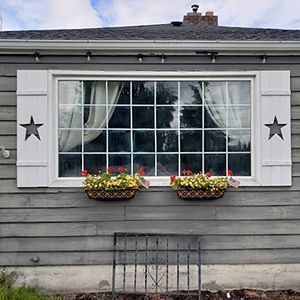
[
  {"x": 199, "y": 186},
  {"x": 106, "y": 187},
  {"x": 199, "y": 194},
  {"x": 100, "y": 194}
]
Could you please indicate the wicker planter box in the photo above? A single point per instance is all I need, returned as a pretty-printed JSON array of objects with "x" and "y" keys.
[
  {"x": 198, "y": 194},
  {"x": 110, "y": 195}
]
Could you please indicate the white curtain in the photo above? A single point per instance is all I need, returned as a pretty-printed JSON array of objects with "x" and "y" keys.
[
  {"x": 71, "y": 116},
  {"x": 215, "y": 93}
]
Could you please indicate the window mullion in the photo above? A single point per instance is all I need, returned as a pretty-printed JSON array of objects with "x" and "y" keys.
[
  {"x": 155, "y": 132},
  {"x": 82, "y": 127},
  {"x": 131, "y": 129},
  {"x": 227, "y": 125},
  {"x": 106, "y": 114},
  {"x": 203, "y": 107},
  {"x": 179, "y": 141}
]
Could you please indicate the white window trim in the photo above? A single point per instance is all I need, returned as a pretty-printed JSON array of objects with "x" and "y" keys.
[{"x": 56, "y": 75}]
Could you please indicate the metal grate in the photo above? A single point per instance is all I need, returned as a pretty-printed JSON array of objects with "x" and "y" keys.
[{"x": 168, "y": 264}]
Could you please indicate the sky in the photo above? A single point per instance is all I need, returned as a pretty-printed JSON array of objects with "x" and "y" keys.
[{"x": 58, "y": 14}]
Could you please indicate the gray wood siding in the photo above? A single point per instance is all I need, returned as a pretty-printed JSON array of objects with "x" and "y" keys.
[{"x": 63, "y": 227}]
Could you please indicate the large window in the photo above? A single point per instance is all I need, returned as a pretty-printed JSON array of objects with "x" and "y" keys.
[{"x": 165, "y": 126}]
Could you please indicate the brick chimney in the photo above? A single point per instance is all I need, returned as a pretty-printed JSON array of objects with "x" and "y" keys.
[{"x": 195, "y": 18}]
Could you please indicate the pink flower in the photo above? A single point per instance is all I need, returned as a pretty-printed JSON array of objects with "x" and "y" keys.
[
  {"x": 141, "y": 171},
  {"x": 172, "y": 178},
  {"x": 109, "y": 170},
  {"x": 84, "y": 173},
  {"x": 229, "y": 173}
]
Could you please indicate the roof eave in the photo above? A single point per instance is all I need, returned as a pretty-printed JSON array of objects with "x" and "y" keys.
[{"x": 134, "y": 46}]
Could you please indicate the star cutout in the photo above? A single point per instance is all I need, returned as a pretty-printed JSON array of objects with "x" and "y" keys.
[
  {"x": 275, "y": 128},
  {"x": 32, "y": 128}
]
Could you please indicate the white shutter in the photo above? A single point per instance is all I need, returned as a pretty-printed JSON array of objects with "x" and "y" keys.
[
  {"x": 275, "y": 151},
  {"x": 32, "y": 154}
]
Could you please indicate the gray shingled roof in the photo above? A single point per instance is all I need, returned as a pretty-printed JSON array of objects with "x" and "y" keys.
[{"x": 157, "y": 32}]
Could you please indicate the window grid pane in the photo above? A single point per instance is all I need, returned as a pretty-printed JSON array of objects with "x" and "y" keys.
[{"x": 167, "y": 154}]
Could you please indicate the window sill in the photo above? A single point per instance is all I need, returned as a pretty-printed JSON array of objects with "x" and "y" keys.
[{"x": 155, "y": 182}]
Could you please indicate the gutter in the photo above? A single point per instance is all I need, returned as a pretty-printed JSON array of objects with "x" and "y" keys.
[{"x": 149, "y": 46}]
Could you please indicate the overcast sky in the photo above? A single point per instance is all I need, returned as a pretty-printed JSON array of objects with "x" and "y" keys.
[{"x": 55, "y": 14}]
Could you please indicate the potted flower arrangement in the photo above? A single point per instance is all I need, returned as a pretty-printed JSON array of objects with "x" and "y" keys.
[
  {"x": 199, "y": 186},
  {"x": 105, "y": 186}
]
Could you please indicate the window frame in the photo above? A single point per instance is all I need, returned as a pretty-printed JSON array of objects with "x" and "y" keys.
[{"x": 56, "y": 75}]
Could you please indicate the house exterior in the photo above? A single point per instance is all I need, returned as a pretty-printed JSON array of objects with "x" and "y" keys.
[{"x": 191, "y": 95}]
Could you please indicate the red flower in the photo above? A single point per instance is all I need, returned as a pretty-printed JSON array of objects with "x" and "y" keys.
[
  {"x": 189, "y": 172},
  {"x": 184, "y": 172},
  {"x": 172, "y": 178},
  {"x": 121, "y": 169},
  {"x": 229, "y": 173},
  {"x": 141, "y": 171},
  {"x": 208, "y": 174},
  {"x": 109, "y": 170},
  {"x": 84, "y": 173}
]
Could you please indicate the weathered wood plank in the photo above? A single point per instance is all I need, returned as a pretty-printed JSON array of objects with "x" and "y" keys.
[
  {"x": 11, "y": 160},
  {"x": 296, "y": 169},
  {"x": 295, "y": 98},
  {"x": 202, "y": 227},
  {"x": 8, "y": 128},
  {"x": 295, "y": 141},
  {"x": 296, "y": 127},
  {"x": 8, "y": 84},
  {"x": 295, "y": 155},
  {"x": 105, "y": 243},
  {"x": 61, "y": 215},
  {"x": 52, "y": 229},
  {"x": 212, "y": 213},
  {"x": 8, "y": 171},
  {"x": 8, "y": 98},
  {"x": 232, "y": 227},
  {"x": 105, "y": 257},
  {"x": 148, "y": 198},
  {"x": 295, "y": 112},
  {"x": 8, "y": 113}
]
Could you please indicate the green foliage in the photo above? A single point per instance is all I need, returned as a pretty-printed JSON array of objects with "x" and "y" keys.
[
  {"x": 8, "y": 292},
  {"x": 6, "y": 280},
  {"x": 22, "y": 293}
]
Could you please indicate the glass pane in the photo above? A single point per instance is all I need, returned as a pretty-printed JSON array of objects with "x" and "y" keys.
[
  {"x": 120, "y": 117},
  {"x": 239, "y": 140},
  {"x": 143, "y": 141},
  {"x": 167, "y": 164},
  {"x": 69, "y": 140},
  {"x": 239, "y": 117},
  {"x": 143, "y": 117},
  {"x": 215, "y": 141},
  {"x": 214, "y": 92},
  {"x": 70, "y": 116},
  {"x": 145, "y": 160},
  {"x": 95, "y": 163},
  {"x": 117, "y": 160},
  {"x": 118, "y": 92},
  {"x": 239, "y": 92},
  {"x": 215, "y": 117},
  {"x": 69, "y": 92},
  {"x": 191, "y": 117},
  {"x": 191, "y": 162},
  {"x": 215, "y": 163},
  {"x": 167, "y": 141},
  {"x": 94, "y": 141},
  {"x": 119, "y": 141},
  {"x": 95, "y": 117},
  {"x": 191, "y": 140},
  {"x": 167, "y": 117},
  {"x": 69, "y": 165},
  {"x": 190, "y": 92},
  {"x": 94, "y": 92},
  {"x": 240, "y": 164},
  {"x": 167, "y": 92},
  {"x": 143, "y": 92}
]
